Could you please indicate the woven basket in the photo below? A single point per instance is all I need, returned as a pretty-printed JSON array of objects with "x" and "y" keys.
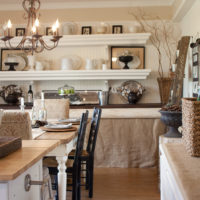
[{"x": 191, "y": 125}]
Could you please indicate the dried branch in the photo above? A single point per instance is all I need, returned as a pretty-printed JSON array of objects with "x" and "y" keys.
[{"x": 161, "y": 37}]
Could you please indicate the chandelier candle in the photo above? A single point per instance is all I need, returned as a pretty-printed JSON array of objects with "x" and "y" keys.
[{"x": 9, "y": 25}]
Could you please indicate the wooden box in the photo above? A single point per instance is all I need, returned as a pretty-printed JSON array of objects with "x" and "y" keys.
[{"x": 9, "y": 144}]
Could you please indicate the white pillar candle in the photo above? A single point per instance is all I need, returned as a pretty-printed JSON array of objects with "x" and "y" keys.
[
  {"x": 173, "y": 67},
  {"x": 177, "y": 53}
]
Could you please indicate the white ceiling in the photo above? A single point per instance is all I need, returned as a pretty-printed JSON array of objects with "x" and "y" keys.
[
  {"x": 144, "y": 1},
  {"x": 48, "y": 4}
]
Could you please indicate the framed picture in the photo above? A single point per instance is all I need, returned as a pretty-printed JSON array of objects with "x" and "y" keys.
[
  {"x": 195, "y": 59},
  {"x": 49, "y": 31},
  {"x": 86, "y": 30},
  {"x": 13, "y": 56},
  {"x": 20, "y": 31},
  {"x": 127, "y": 57},
  {"x": 116, "y": 29}
]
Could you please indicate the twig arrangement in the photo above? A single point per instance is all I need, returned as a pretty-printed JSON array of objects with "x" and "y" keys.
[{"x": 162, "y": 38}]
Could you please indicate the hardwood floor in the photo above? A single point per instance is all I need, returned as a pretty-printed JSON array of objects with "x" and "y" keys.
[{"x": 124, "y": 184}]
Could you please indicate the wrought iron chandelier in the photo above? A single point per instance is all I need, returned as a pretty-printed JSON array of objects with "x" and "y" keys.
[{"x": 32, "y": 41}]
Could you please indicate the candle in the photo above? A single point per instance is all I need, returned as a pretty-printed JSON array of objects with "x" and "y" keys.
[
  {"x": 57, "y": 26},
  {"x": 177, "y": 53},
  {"x": 37, "y": 23},
  {"x": 22, "y": 101},
  {"x": 173, "y": 67},
  {"x": 33, "y": 29},
  {"x": 54, "y": 29},
  {"x": 9, "y": 26}
]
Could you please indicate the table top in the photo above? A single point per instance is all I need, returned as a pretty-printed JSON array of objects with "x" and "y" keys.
[
  {"x": 63, "y": 137},
  {"x": 19, "y": 161}
]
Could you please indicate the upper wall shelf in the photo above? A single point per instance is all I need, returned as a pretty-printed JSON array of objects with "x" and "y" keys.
[
  {"x": 136, "y": 74},
  {"x": 96, "y": 39}
]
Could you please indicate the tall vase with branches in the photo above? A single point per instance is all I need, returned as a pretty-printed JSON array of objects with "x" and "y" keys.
[{"x": 164, "y": 39}]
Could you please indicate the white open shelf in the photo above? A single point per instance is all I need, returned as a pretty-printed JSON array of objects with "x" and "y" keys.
[
  {"x": 130, "y": 74},
  {"x": 106, "y": 40}
]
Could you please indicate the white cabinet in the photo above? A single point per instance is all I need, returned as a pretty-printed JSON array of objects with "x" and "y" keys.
[{"x": 168, "y": 184}]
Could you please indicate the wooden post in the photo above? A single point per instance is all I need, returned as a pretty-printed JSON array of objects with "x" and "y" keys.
[{"x": 177, "y": 85}]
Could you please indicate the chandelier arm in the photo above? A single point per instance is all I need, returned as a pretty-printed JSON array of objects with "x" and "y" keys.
[
  {"x": 55, "y": 44},
  {"x": 41, "y": 47},
  {"x": 21, "y": 43}
]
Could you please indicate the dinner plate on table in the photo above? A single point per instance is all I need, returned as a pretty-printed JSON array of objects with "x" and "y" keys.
[
  {"x": 58, "y": 128},
  {"x": 74, "y": 121}
]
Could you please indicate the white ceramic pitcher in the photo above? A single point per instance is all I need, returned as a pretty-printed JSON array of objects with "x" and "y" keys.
[{"x": 90, "y": 64}]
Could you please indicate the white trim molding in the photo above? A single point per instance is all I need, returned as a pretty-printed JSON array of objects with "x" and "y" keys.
[
  {"x": 182, "y": 10},
  {"x": 95, "y": 39},
  {"x": 130, "y": 74}
]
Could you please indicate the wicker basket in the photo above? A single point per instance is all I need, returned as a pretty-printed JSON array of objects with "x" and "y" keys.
[
  {"x": 191, "y": 125},
  {"x": 9, "y": 144}
]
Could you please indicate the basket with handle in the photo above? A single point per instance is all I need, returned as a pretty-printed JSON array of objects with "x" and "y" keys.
[{"x": 191, "y": 125}]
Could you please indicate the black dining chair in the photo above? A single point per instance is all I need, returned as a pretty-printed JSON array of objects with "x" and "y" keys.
[
  {"x": 75, "y": 170},
  {"x": 87, "y": 157}
]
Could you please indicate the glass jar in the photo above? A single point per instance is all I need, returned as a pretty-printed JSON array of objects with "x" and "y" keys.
[{"x": 66, "y": 90}]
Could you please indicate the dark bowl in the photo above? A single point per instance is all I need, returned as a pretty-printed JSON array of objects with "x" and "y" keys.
[
  {"x": 12, "y": 99},
  {"x": 133, "y": 98},
  {"x": 172, "y": 119},
  {"x": 126, "y": 59}
]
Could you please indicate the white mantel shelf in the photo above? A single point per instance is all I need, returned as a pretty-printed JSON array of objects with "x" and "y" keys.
[
  {"x": 95, "y": 39},
  {"x": 131, "y": 74}
]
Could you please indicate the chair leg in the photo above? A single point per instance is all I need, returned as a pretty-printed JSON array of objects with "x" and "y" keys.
[
  {"x": 79, "y": 184},
  {"x": 91, "y": 170},
  {"x": 56, "y": 185},
  {"x": 74, "y": 190}
]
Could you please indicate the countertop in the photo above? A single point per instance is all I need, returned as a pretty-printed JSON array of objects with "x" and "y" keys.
[
  {"x": 120, "y": 113},
  {"x": 19, "y": 161},
  {"x": 90, "y": 106},
  {"x": 114, "y": 113},
  {"x": 185, "y": 169}
]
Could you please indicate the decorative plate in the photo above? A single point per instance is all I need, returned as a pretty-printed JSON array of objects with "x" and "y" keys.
[{"x": 130, "y": 86}]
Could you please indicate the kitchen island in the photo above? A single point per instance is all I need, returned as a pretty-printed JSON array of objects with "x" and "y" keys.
[{"x": 15, "y": 167}]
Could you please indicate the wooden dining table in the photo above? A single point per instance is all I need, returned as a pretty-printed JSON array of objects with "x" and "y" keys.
[{"x": 67, "y": 142}]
